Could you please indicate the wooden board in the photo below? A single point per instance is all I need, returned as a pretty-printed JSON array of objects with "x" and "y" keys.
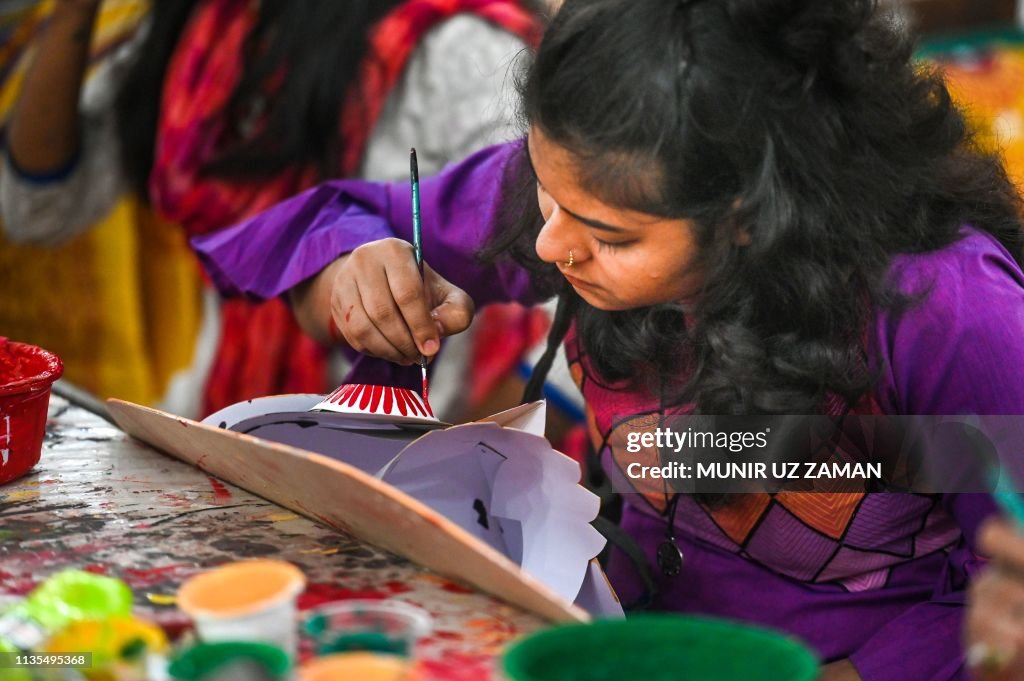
[{"x": 344, "y": 498}]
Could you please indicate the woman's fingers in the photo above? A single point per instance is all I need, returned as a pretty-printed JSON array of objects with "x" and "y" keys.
[
  {"x": 998, "y": 539},
  {"x": 994, "y": 627},
  {"x": 382, "y": 307},
  {"x": 452, "y": 308}
]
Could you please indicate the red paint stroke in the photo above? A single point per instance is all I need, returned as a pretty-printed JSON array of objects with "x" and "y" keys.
[
  {"x": 388, "y": 400},
  {"x": 375, "y": 394},
  {"x": 96, "y": 569},
  {"x": 354, "y": 397},
  {"x": 221, "y": 493},
  {"x": 395, "y": 588},
  {"x": 317, "y": 594},
  {"x": 365, "y": 401},
  {"x": 414, "y": 403},
  {"x": 400, "y": 402}
]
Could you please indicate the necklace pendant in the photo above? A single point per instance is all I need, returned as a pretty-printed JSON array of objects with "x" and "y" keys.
[{"x": 670, "y": 558}]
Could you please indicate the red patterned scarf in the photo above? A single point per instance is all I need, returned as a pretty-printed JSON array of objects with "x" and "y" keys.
[{"x": 262, "y": 351}]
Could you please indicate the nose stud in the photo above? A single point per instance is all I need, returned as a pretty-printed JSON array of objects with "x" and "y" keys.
[{"x": 570, "y": 261}]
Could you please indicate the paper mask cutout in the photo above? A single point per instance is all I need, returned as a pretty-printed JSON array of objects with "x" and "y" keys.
[{"x": 511, "y": 517}]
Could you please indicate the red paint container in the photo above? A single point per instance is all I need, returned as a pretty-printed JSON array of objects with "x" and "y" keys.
[{"x": 26, "y": 374}]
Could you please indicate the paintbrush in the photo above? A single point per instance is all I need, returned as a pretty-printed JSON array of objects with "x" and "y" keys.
[
  {"x": 1009, "y": 499},
  {"x": 417, "y": 244}
]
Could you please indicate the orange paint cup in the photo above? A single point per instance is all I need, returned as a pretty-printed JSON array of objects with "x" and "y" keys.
[
  {"x": 362, "y": 666},
  {"x": 251, "y": 600}
]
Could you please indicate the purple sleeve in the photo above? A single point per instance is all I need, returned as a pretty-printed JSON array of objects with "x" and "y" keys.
[
  {"x": 959, "y": 351},
  {"x": 272, "y": 252}
]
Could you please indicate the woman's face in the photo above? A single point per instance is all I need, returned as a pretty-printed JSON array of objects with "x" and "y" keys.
[{"x": 621, "y": 259}]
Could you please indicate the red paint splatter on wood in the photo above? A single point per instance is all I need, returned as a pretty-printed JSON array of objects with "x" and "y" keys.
[
  {"x": 455, "y": 667},
  {"x": 147, "y": 577},
  {"x": 221, "y": 493},
  {"x": 319, "y": 593},
  {"x": 453, "y": 588}
]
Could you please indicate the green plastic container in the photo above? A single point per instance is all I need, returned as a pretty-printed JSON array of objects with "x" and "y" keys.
[
  {"x": 659, "y": 648},
  {"x": 208, "y": 660}
]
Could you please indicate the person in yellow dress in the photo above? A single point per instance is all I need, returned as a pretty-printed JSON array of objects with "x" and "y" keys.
[{"x": 121, "y": 302}]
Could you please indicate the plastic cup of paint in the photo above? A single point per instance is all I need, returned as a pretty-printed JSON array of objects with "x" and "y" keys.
[
  {"x": 390, "y": 627},
  {"x": 251, "y": 600},
  {"x": 363, "y": 666},
  {"x": 234, "y": 660},
  {"x": 658, "y": 648},
  {"x": 26, "y": 374}
]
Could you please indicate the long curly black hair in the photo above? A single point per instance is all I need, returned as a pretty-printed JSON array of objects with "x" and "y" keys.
[{"x": 803, "y": 122}]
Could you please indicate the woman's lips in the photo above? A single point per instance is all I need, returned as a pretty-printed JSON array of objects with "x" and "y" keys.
[{"x": 577, "y": 282}]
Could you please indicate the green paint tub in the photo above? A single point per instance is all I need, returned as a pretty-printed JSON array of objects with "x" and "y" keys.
[
  {"x": 659, "y": 648},
  {"x": 229, "y": 659}
]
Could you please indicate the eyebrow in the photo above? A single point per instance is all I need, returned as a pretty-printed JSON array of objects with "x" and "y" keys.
[
  {"x": 596, "y": 224},
  {"x": 590, "y": 222}
]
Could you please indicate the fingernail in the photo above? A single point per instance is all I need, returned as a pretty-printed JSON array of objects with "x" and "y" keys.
[{"x": 430, "y": 347}]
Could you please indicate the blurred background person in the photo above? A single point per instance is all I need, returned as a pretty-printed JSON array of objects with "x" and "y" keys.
[
  {"x": 211, "y": 110},
  {"x": 121, "y": 301}
]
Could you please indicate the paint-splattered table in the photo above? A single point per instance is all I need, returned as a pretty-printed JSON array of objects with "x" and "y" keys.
[{"x": 105, "y": 503}]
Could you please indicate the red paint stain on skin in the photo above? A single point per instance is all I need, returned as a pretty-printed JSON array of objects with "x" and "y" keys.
[
  {"x": 221, "y": 493},
  {"x": 320, "y": 593},
  {"x": 348, "y": 315}
]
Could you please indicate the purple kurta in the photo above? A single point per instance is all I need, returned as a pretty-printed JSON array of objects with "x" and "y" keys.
[{"x": 887, "y": 589}]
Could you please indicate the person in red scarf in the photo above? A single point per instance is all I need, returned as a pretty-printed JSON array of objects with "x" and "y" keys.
[{"x": 229, "y": 106}]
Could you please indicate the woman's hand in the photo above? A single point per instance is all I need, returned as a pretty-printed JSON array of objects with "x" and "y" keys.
[
  {"x": 374, "y": 300},
  {"x": 994, "y": 629}
]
